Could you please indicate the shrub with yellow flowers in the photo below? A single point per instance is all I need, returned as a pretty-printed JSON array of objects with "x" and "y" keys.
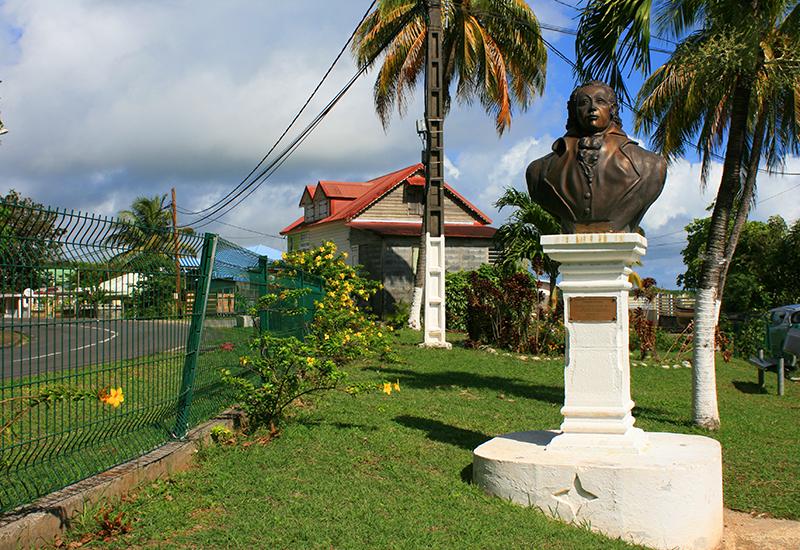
[
  {"x": 341, "y": 329},
  {"x": 284, "y": 369}
]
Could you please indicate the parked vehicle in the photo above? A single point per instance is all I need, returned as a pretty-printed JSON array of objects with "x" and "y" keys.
[{"x": 782, "y": 338}]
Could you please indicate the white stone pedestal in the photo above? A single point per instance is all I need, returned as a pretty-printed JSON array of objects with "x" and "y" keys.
[{"x": 660, "y": 490}]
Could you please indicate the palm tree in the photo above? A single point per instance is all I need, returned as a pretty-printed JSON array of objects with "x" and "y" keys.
[
  {"x": 146, "y": 229},
  {"x": 519, "y": 236},
  {"x": 492, "y": 52},
  {"x": 733, "y": 80}
]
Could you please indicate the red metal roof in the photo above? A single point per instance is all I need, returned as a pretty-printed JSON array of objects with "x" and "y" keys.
[
  {"x": 413, "y": 229},
  {"x": 352, "y": 198},
  {"x": 343, "y": 190}
]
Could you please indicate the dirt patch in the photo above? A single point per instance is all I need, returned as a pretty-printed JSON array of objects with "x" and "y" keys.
[
  {"x": 747, "y": 532},
  {"x": 11, "y": 338}
]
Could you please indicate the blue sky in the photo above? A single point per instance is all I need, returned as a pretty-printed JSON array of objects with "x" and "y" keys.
[{"x": 108, "y": 100}]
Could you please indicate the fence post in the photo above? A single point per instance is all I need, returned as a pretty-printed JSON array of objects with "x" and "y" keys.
[
  {"x": 195, "y": 333},
  {"x": 263, "y": 315}
]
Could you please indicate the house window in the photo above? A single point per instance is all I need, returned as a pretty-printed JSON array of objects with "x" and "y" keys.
[
  {"x": 304, "y": 242},
  {"x": 353, "y": 259},
  {"x": 322, "y": 209},
  {"x": 309, "y": 212},
  {"x": 413, "y": 199}
]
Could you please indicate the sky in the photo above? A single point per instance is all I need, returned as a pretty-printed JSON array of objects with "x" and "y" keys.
[{"x": 107, "y": 100}]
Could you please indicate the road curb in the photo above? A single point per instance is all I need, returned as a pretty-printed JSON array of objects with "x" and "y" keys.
[{"x": 37, "y": 524}]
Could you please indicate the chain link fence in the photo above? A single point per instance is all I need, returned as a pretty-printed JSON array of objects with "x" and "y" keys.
[{"x": 94, "y": 303}]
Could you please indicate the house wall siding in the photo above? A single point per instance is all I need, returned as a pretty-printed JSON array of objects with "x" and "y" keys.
[
  {"x": 392, "y": 260},
  {"x": 338, "y": 233},
  {"x": 392, "y": 206}
]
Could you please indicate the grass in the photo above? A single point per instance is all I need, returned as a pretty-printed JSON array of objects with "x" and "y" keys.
[
  {"x": 382, "y": 471},
  {"x": 54, "y": 446}
]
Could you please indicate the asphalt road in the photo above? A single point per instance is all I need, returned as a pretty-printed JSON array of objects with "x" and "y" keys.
[{"x": 55, "y": 345}]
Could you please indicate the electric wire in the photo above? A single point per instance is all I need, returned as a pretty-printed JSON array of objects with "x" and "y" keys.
[
  {"x": 625, "y": 103},
  {"x": 296, "y": 117},
  {"x": 276, "y": 163},
  {"x": 219, "y": 206}
]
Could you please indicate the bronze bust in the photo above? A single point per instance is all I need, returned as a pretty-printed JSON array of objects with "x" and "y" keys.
[{"x": 596, "y": 179}]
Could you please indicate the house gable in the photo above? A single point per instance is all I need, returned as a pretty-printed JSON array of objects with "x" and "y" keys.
[{"x": 394, "y": 197}]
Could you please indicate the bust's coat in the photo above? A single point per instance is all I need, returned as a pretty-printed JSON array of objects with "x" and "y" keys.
[{"x": 627, "y": 180}]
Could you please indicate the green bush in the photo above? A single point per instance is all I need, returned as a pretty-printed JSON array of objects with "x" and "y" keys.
[
  {"x": 283, "y": 370},
  {"x": 455, "y": 287},
  {"x": 399, "y": 318},
  {"x": 748, "y": 336},
  {"x": 505, "y": 309}
]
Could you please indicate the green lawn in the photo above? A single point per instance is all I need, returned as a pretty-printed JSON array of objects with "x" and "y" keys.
[
  {"x": 56, "y": 445},
  {"x": 382, "y": 471}
]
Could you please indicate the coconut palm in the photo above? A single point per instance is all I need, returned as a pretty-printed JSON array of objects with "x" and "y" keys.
[
  {"x": 147, "y": 228},
  {"x": 732, "y": 84},
  {"x": 492, "y": 52},
  {"x": 519, "y": 237}
]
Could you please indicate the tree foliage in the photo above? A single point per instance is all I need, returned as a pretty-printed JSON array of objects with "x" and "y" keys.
[
  {"x": 520, "y": 236},
  {"x": 29, "y": 243},
  {"x": 764, "y": 272},
  {"x": 492, "y": 52}
]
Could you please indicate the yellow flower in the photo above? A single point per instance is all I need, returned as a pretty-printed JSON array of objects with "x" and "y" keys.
[
  {"x": 326, "y": 337},
  {"x": 396, "y": 385},
  {"x": 344, "y": 254},
  {"x": 341, "y": 275},
  {"x": 387, "y": 388},
  {"x": 346, "y": 337},
  {"x": 301, "y": 260},
  {"x": 320, "y": 306},
  {"x": 244, "y": 360},
  {"x": 380, "y": 334},
  {"x": 328, "y": 256},
  {"x": 310, "y": 361},
  {"x": 113, "y": 397}
]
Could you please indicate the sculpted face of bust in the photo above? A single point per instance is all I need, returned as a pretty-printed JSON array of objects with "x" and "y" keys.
[
  {"x": 593, "y": 107},
  {"x": 596, "y": 179}
]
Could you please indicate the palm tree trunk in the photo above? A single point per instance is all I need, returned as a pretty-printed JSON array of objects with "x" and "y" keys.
[
  {"x": 415, "y": 316},
  {"x": 747, "y": 198},
  {"x": 705, "y": 412}
]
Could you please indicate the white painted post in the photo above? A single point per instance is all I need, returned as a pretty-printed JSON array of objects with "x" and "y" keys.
[{"x": 434, "y": 293}]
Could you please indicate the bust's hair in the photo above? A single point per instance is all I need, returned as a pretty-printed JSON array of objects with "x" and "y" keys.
[{"x": 572, "y": 118}]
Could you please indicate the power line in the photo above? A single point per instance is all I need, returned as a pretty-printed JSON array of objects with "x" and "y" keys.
[
  {"x": 567, "y": 60},
  {"x": 278, "y": 162},
  {"x": 657, "y": 37},
  {"x": 297, "y": 116}
]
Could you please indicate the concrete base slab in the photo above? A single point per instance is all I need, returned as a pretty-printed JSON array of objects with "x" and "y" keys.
[{"x": 668, "y": 495}]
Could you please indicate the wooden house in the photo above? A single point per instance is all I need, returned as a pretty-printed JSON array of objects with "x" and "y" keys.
[{"x": 378, "y": 222}]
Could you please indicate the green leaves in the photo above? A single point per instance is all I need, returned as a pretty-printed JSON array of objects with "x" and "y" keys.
[{"x": 492, "y": 52}]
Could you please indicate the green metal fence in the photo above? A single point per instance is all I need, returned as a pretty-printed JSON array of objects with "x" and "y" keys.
[{"x": 93, "y": 303}]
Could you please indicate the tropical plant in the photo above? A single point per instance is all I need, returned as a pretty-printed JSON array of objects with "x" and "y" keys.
[
  {"x": 147, "y": 228},
  {"x": 283, "y": 370},
  {"x": 492, "y": 51},
  {"x": 733, "y": 82},
  {"x": 520, "y": 236}
]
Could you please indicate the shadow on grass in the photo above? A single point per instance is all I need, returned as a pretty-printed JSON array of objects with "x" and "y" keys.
[
  {"x": 443, "y": 433},
  {"x": 748, "y": 387},
  {"x": 501, "y": 384},
  {"x": 659, "y": 415},
  {"x": 338, "y": 425}
]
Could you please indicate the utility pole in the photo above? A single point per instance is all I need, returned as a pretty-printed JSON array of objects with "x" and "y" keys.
[
  {"x": 433, "y": 218},
  {"x": 177, "y": 252}
]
